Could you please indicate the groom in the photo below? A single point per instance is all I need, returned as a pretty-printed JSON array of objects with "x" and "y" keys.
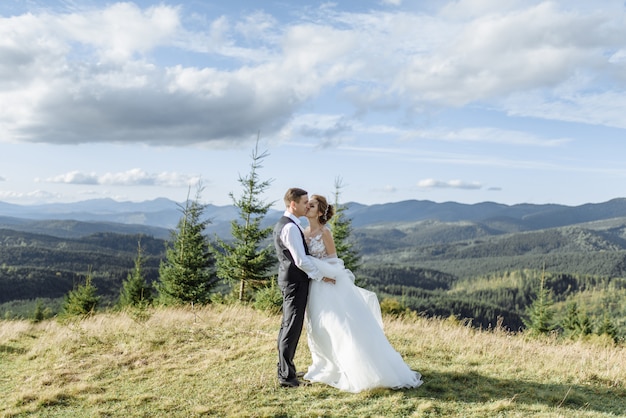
[{"x": 294, "y": 271}]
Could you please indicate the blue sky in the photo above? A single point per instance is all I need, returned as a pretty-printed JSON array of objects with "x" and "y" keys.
[{"x": 511, "y": 101}]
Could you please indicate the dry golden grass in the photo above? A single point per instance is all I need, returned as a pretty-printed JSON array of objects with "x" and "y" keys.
[{"x": 221, "y": 361}]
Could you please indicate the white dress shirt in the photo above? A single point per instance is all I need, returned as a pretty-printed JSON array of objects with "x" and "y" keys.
[{"x": 291, "y": 236}]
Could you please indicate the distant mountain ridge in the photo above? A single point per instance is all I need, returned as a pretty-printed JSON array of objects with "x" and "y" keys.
[
  {"x": 152, "y": 217},
  {"x": 163, "y": 214},
  {"x": 527, "y": 216}
]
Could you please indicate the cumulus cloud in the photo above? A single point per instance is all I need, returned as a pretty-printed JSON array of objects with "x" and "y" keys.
[
  {"x": 450, "y": 184},
  {"x": 102, "y": 74},
  {"x": 74, "y": 177},
  {"x": 134, "y": 177},
  {"x": 500, "y": 53},
  {"x": 53, "y": 93}
]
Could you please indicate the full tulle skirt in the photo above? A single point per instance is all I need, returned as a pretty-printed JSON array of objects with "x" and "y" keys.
[{"x": 345, "y": 334}]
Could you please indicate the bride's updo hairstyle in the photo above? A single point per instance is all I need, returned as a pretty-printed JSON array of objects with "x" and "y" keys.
[{"x": 327, "y": 210}]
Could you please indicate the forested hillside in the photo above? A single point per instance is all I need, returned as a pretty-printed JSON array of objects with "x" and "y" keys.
[
  {"x": 43, "y": 266},
  {"x": 70, "y": 228},
  {"x": 476, "y": 272}
]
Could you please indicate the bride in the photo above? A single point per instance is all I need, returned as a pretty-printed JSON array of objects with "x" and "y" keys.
[{"x": 344, "y": 326}]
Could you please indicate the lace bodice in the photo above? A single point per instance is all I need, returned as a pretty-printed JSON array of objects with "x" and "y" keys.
[{"x": 316, "y": 246}]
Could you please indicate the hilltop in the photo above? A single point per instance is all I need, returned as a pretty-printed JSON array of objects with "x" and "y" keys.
[{"x": 220, "y": 361}]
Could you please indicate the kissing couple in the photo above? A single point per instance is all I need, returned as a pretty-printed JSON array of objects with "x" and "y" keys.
[{"x": 344, "y": 325}]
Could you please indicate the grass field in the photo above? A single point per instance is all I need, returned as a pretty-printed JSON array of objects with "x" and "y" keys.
[{"x": 221, "y": 361}]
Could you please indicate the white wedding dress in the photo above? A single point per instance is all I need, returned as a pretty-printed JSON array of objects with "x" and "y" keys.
[{"x": 345, "y": 333}]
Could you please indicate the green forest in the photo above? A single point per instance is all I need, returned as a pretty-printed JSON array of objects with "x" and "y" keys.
[{"x": 34, "y": 266}]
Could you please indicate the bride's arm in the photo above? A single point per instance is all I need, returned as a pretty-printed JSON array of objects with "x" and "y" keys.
[
  {"x": 331, "y": 251},
  {"x": 329, "y": 242}
]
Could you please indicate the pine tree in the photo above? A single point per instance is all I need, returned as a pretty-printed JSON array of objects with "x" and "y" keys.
[
  {"x": 540, "y": 311},
  {"x": 135, "y": 290},
  {"x": 245, "y": 261},
  {"x": 82, "y": 300},
  {"x": 187, "y": 274},
  {"x": 39, "y": 314},
  {"x": 342, "y": 228},
  {"x": 607, "y": 327},
  {"x": 571, "y": 322},
  {"x": 585, "y": 327}
]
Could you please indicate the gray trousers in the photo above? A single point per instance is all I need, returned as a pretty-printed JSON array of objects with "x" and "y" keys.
[{"x": 295, "y": 297}]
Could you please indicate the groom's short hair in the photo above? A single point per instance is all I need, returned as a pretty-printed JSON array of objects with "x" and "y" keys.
[{"x": 293, "y": 195}]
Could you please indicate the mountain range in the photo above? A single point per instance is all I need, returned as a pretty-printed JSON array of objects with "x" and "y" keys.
[
  {"x": 437, "y": 235},
  {"x": 156, "y": 217}
]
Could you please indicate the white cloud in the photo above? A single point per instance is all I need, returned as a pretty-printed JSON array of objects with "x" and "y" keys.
[
  {"x": 100, "y": 75},
  {"x": 134, "y": 177},
  {"x": 450, "y": 184},
  {"x": 2, "y": 178},
  {"x": 74, "y": 177},
  {"x": 602, "y": 108},
  {"x": 119, "y": 31},
  {"x": 501, "y": 53},
  {"x": 338, "y": 129},
  {"x": 89, "y": 81}
]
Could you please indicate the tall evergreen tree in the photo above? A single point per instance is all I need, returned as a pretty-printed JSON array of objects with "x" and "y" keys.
[
  {"x": 187, "y": 274},
  {"x": 135, "y": 290},
  {"x": 245, "y": 261},
  {"x": 585, "y": 327},
  {"x": 82, "y": 300},
  {"x": 540, "y": 312},
  {"x": 571, "y": 322},
  {"x": 341, "y": 227}
]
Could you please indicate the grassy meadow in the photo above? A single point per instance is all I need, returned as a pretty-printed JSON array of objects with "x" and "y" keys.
[{"x": 220, "y": 360}]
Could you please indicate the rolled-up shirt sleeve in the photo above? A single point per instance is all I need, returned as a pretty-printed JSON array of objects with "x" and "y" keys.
[{"x": 292, "y": 238}]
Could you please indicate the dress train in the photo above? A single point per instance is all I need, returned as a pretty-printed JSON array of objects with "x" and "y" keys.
[{"x": 345, "y": 334}]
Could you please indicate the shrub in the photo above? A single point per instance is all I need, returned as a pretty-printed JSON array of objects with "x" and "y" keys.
[
  {"x": 82, "y": 301},
  {"x": 269, "y": 299},
  {"x": 392, "y": 306}
]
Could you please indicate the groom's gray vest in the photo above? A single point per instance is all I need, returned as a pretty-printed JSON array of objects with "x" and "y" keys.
[{"x": 288, "y": 272}]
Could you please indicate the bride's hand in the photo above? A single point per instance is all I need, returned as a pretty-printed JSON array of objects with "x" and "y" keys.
[{"x": 329, "y": 280}]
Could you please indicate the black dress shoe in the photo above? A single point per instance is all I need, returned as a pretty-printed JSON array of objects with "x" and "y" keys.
[
  {"x": 290, "y": 383},
  {"x": 300, "y": 374}
]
